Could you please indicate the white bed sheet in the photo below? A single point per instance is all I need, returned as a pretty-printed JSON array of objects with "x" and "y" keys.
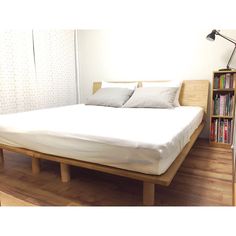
[{"x": 139, "y": 139}]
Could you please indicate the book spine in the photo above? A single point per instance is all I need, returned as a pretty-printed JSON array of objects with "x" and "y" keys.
[
  {"x": 232, "y": 82},
  {"x": 222, "y": 131},
  {"x": 216, "y": 130},
  {"x": 216, "y": 82},
  {"x": 219, "y": 131},
  {"x": 222, "y": 102},
  {"x": 216, "y": 105},
  {"x": 225, "y": 131},
  {"x": 212, "y": 135},
  {"x": 224, "y": 105},
  {"x": 231, "y": 105},
  {"x": 227, "y": 81},
  {"x": 231, "y": 131},
  {"x": 222, "y": 81}
]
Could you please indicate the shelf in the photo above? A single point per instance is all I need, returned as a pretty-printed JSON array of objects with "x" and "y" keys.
[
  {"x": 225, "y": 72},
  {"x": 220, "y": 145},
  {"x": 224, "y": 117},
  {"x": 224, "y": 90}
]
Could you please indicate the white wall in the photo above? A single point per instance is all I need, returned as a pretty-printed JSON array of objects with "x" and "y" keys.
[{"x": 149, "y": 55}]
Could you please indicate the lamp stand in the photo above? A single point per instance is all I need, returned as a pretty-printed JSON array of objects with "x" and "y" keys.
[{"x": 230, "y": 59}]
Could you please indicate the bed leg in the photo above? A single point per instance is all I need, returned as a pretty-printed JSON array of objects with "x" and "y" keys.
[
  {"x": 234, "y": 194},
  {"x": 35, "y": 166},
  {"x": 148, "y": 194},
  {"x": 65, "y": 173},
  {"x": 1, "y": 158}
]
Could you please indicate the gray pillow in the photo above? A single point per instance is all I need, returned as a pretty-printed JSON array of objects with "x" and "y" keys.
[
  {"x": 153, "y": 97},
  {"x": 111, "y": 97}
]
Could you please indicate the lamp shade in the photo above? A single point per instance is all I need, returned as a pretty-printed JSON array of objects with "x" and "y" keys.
[{"x": 212, "y": 35}]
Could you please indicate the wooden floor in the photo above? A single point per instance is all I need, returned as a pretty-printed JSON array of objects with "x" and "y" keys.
[{"x": 205, "y": 179}]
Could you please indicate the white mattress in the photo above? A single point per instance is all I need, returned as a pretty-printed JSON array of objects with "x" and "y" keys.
[{"x": 138, "y": 139}]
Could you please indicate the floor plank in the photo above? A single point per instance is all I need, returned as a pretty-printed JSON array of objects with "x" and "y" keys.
[{"x": 205, "y": 179}]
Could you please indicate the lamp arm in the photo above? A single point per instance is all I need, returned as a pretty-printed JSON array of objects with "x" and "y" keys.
[
  {"x": 230, "y": 59},
  {"x": 225, "y": 37}
]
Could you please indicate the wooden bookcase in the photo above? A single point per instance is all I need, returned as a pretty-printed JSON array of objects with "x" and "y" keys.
[{"x": 222, "y": 108}]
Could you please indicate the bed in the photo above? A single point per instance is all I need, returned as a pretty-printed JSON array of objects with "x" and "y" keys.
[{"x": 143, "y": 144}]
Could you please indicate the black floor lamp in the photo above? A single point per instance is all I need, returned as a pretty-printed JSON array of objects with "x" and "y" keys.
[{"x": 212, "y": 36}]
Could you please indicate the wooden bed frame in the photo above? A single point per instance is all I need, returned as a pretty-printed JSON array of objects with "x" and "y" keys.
[{"x": 193, "y": 93}]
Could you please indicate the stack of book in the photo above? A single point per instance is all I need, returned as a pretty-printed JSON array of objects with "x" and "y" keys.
[
  {"x": 222, "y": 130},
  {"x": 223, "y": 104},
  {"x": 224, "y": 81}
]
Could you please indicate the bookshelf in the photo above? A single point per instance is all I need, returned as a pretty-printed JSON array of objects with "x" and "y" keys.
[{"x": 222, "y": 108}]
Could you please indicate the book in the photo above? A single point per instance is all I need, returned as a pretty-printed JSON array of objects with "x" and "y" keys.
[
  {"x": 231, "y": 105},
  {"x": 212, "y": 135},
  {"x": 221, "y": 131},
  {"x": 216, "y": 108},
  {"x": 216, "y": 82},
  {"x": 226, "y": 131},
  {"x": 216, "y": 130},
  {"x": 222, "y": 105},
  {"x": 231, "y": 131},
  {"x": 227, "y": 81}
]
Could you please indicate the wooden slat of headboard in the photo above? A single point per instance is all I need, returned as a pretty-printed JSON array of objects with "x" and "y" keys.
[
  {"x": 96, "y": 86},
  {"x": 193, "y": 92}
]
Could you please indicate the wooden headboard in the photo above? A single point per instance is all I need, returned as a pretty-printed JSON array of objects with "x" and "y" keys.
[{"x": 193, "y": 92}]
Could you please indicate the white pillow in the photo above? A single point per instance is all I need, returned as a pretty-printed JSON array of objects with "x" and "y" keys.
[
  {"x": 167, "y": 84},
  {"x": 129, "y": 85}
]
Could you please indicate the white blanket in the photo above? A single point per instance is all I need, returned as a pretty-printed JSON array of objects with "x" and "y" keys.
[{"x": 139, "y": 139}]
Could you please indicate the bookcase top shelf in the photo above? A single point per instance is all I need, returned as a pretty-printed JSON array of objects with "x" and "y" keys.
[
  {"x": 224, "y": 72},
  {"x": 226, "y": 90}
]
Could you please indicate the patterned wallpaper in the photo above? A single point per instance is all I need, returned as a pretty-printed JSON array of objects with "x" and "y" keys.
[{"x": 51, "y": 83}]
